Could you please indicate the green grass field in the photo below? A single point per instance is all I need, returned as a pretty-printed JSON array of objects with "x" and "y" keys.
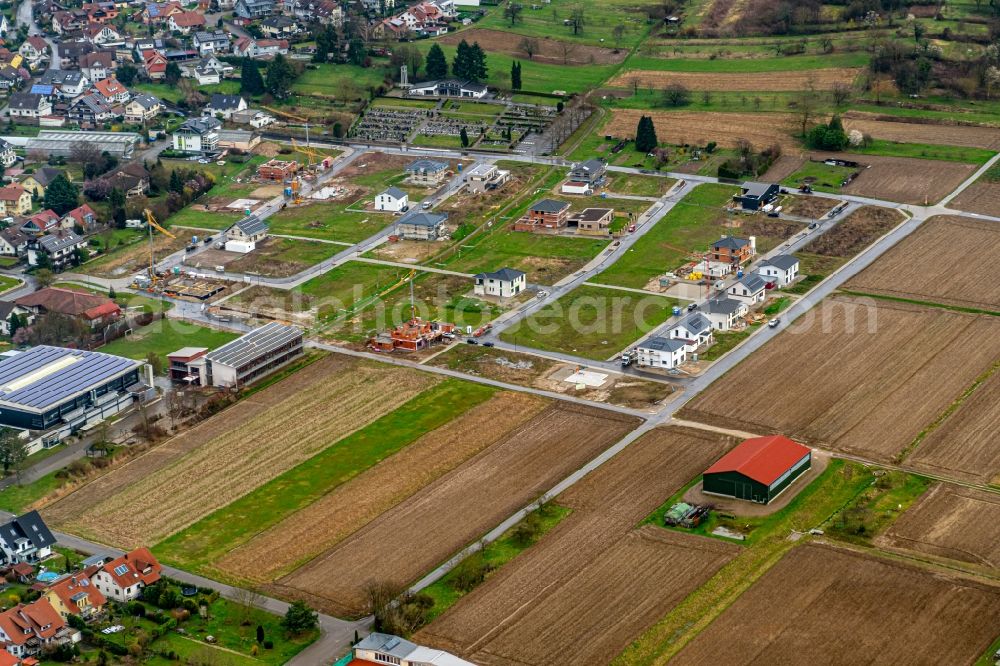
[
  {"x": 738, "y": 65},
  {"x": 822, "y": 177},
  {"x": 600, "y": 20},
  {"x": 342, "y": 82},
  {"x": 328, "y": 221},
  {"x": 591, "y": 322},
  {"x": 691, "y": 225},
  {"x": 212, "y": 536},
  {"x": 926, "y": 151},
  {"x": 17, "y": 498},
  {"x": 546, "y": 259},
  {"x": 7, "y": 283},
  {"x": 164, "y": 336}
]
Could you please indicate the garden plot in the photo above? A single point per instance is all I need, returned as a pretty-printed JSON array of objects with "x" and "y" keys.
[
  {"x": 819, "y": 602},
  {"x": 594, "y": 583},
  {"x": 457, "y": 508},
  {"x": 951, "y": 522},
  {"x": 210, "y": 472},
  {"x": 934, "y": 264},
  {"x": 821, "y": 79},
  {"x": 855, "y": 376},
  {"x": 549, "y": 51},
  {"x": 698, "y": 128}
]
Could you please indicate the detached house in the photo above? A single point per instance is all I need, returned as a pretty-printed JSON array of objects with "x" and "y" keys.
[
  {"x": 545, "y": 214},
  {"x": 112, "y": 91},
  {"x": 14, "y": 200},
  {"x": 393, "y": 200},
  {"x": 504, "y": 283},
  {"x": 260, "y": 48},
  {"x": 75, "y": 595},
  {"x": 91, "y": 111},
  {"x": 426, "y": 172},
  {"x": 253, "y": 9},
  {"x": 154, "y": 64},
  {"x": 584, "y": 177},
  {"x": 26, "y": 629},
  {"x": 750, "y": 290},
  {"x": 224, "y": 105},
  {"x": 69, "y": 83},
  {"x": 34, "y": 48},
  {"x": 97, "y": 65},
  {"x": 780, "y": 269},
  {"x": 25, "y": 539},
  {"x": 695, "y": 330},
  {"x": 124, "y": 578},
  {"x": 734, "y": 251},
  {"x": 41, "y": 223},
  {"x": 102, "y": 34},
  {"x": 13, "y": 243},
  {"x": 159, "y": 12},
  {"x": 279, "y": 26},
  {"x": 7, "y": 154},
  {"x": 755, "y": 196},
  {"x": 29, "y": 106},
  {"x": 81, "y": 216},
  {"x": 197, "y": 135},
  {"x": 245, "y": 234},
  {"x": 667, "y": 353},
  {"x": 59, "y": 247},
  {"x": 132, "y": 179},
  {"x": 422, "y": 226},
  {"x": 210, "y": 43},
  {"x": 38, "y": 181},
  {"x": 185, "y": 22},
  {"x": 725, "y": 313},
  {"x": 142, "y": 108}
]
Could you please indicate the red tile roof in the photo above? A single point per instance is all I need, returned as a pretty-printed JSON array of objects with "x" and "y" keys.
[
  {"x": 69, "y": 302},
  {"x": 23, "y": 622},
  {"x": 762, "y": 459},
  {"x": 7, "y": 659},
  {"x": 110, "y": 87},
  {"x": 140, "y": 566},
  {"x": 69, "y": 588},
  {"x": 188, "y": 19},
  {"x": 80, "y": 212},
  {"x": 11, "y": 192}
]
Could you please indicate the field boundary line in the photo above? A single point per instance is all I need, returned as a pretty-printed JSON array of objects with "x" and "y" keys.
[{"x": 929, "y": 304}]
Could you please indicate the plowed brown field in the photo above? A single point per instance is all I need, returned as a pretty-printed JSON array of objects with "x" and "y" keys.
[
  {"x": 247, "y": 454},
  {"x": 103, "y": 487},
  {"x": 981, "y": 197},
  {"x": 593, "y": 584},
  {"x": 699, "y": 128},
  {"x": 458, "y": 508},
  {"x": 952, "y": 522},
  {"x": 965, "y": 445},
  {"x": 933, "y": 264},
  {"x": 821, "y": 605},
  {"x": 907, "y": 179},
  {"x": 902, "y": 132},
  {"x": 857, "y": 376},
  {"x": 822, "y": 79},
  {"x": 350, "y": 506}
]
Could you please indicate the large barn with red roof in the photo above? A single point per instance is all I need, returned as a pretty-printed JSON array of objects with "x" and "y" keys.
[{"x": 758, "y": 470}]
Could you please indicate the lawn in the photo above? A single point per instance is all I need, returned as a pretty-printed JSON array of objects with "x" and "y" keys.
[
  {"x": 814, "y": 268},
  {"x": 328, "y": 221},
  {"x": 591, "y": 322},
  {"x": 17, "y": 498},
  {"x": 164, "y": 336},
  {"x": 724, "y": 341},
  {"x": 636, "y": 185},
  {"x": 535, "y": 76},
  {"x": 822, "y": 177},
  {"x": 212, "y": 536},
  {"x": 7, "y": 283},
  {"x": 546, "y": 259},
  {"x": 690, "y": 227},
  {"x": 342, "y": 82},
  {"x": 439, "y": 141},
  {"x": 599, "y": 21},
  {"x": 926, "y": 151},
  {"x": 403, "y": 103}
]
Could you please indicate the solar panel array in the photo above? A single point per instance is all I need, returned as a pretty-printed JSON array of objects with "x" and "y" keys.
[
  {"x": 91, "y": 370},
  {"x": 254, "y": 344}
]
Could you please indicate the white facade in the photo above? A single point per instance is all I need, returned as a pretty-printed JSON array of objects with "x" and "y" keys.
[
  {"x": 725, "y": 313},
  {"x": 571, "y": 187},
  {"x": 241, "y": 246},
  {"x": 750, "y": 290},
  {"x": 661, "y": 353},
  {"x": 505, "y": 283},
  {"x": 392, "y": 200},
  {"x": 105, "y": 584},
  {"x": 782, "y": 271}
]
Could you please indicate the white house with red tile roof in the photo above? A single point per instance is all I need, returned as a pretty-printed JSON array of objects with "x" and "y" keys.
[
  {"x": 112, "y": 90},
  {"x": 123, "y": 578},
  {"x": 185, "y": 22},
  {"x": 26, "y": 628}
]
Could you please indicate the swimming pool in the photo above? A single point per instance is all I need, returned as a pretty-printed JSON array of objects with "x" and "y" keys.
[{"x": 48, "y": 576}]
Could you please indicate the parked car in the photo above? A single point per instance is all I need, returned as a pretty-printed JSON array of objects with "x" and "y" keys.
[
  {"x": 813, "y": 225},
  {"x": 487, "y": 344},
  {"x": 692, "y": 307},
  {"x": 472, "y": 341},
  {"x": 774, "y": 322}
]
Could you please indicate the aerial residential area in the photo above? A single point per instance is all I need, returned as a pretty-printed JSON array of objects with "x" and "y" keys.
[{"x": 451, "y": 332}]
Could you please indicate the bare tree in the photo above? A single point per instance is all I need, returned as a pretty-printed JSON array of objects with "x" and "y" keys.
[
  {"x": 248, "y": 599},
  {"x": 841, "y": 92},
  {"x": 84, "y": 152},
  {"x": 577, "y": 19},
  {"x": 529, "y": 46},
  {"x": 618, "y": 32},
  {"x": 567, "y": 49},
  {"x": 805, "y": 105}
]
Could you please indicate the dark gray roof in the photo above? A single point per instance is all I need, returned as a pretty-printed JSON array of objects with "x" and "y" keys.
[
  {"x": 205, "y": 36},
  {"x": 757, "y": 190},
  {"x": 427, "y": 166},
  {"x": 723, "y": 306},
  {"x": 254, "y": 344},
  {"x": 30, "y": 526},
  {"x": 593, "y": 214},
  {"x": 278, "y": 22},
  {"x": 145, "y": 100},
  {"x": 425, "y": 219},
  {"x": 200, "y": 125},
  {"x": 662, "y": 344},
  {"x": 731, "y": 242},
  {"x": 45, "y": 175},
  {"x": 590, "y": 166},
  {"x": 6, "y": 307},
  {"x": 387, "y": 644},
  {"x": 61, "y": 77},
  {"x": 549, "y": 206},
  {"x": 25, "y": 101},
  {"x": 782, "y": 261},
  {"x": 44, "y": 376},
  {"x": 53, "y": 243},
  {"x": 505, "y": 274},
  {"x": 695, "y": 322},
  {"x": 222, "y": 102},
  {"x": 395, "y": 193},
  {"x": 252, "y": 225},
  {"x": 753, "y": 283}
]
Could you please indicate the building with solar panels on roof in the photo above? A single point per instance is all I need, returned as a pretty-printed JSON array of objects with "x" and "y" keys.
[
  {"x": 758, "y": 470},
  {"x": 247, "y": 358},
  {"x": 57, "y": 391}
]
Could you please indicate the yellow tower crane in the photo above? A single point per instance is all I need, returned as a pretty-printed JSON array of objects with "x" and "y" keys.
[{"x": 151, "y": 224}]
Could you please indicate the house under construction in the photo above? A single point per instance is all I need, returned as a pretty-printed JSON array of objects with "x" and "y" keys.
[{"x": 412, "y": 335}]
